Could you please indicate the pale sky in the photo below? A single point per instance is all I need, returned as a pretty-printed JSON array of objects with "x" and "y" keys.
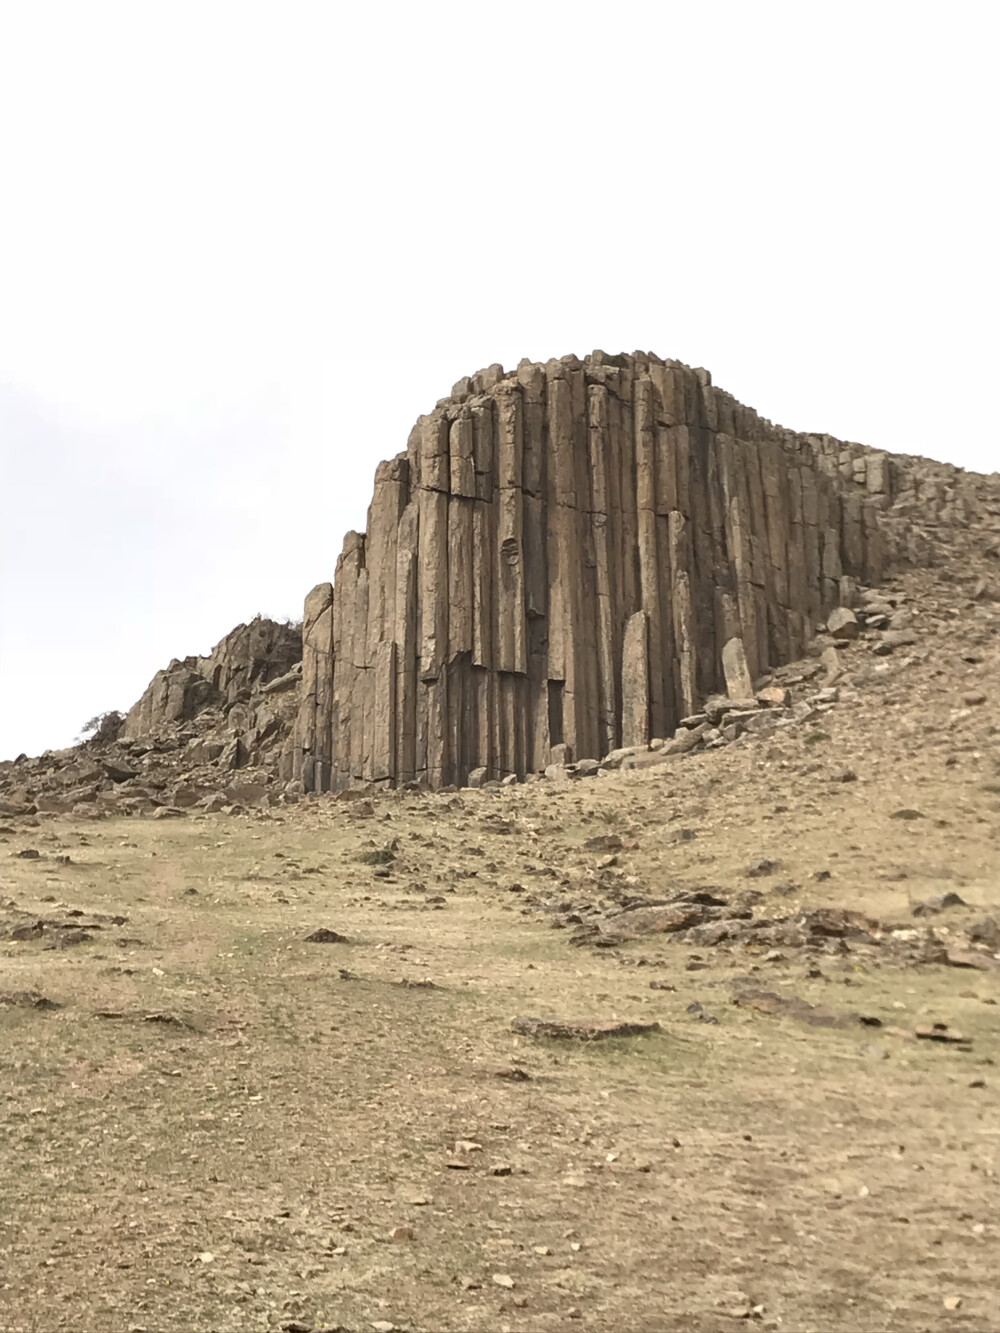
[{"x": 244, "y": 245}]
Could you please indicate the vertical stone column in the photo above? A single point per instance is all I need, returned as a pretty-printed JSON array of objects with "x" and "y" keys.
[
  {"x": 407, "y": 647},
  {"x": 531, "y": 380},
  {"x": 644, "y": 429},
  {"x": 561, "y": 546},
  {"x": 635, "y": 680},
  {"x": 608, "y": 726},
  {"x": 586, "y": 682},
  {"x": 314, "y": 724},
  {"x": 383, "y": 711},
  {"x": 433, "y": 582},
  {"x": 685, "y": 632},
  {"x": 811, "y": 544},
  {"x": 361, "y": 720},
  {"x": 345, "y": 592},
  {"x": 512, "y": 651}
]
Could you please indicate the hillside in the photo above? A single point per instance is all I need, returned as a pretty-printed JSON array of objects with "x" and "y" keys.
[{"x": 215, "y": 1123}]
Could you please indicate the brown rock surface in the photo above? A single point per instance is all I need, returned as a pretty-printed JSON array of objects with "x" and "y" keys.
[{"x": 577, "y": 553}]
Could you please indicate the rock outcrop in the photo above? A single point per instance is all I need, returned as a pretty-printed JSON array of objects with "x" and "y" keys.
[
  {"x": 567, "y": 562},
  {"x": 555, "y": 566},
  {"x": 247, "y": 659},
  {"x": 208, "y": 731}
]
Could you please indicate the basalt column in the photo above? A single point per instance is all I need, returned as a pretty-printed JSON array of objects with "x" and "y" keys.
[{"x": 553, "y": 567}]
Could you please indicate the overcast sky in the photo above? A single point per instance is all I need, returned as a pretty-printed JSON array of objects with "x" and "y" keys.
[{"x": 244, "y": 245}]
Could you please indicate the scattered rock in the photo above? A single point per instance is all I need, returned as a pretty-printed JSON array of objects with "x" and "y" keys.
[
  {"x": 27, "y": 999},
  {"x": 831, "y": 661},
  {"x": 768, "y": 1002},
  {"x": 686, "y": 739},
  {"x": 698, "y": 1011},
  {"x": 604, "y": 842},
  {"x": 588, "y": 1030},
  {"x": 985, "y": 931},
  {"x": 891, "y": 639},
  {"x": 943, "y": 1033},
  {"x": 842, "y": 624},
  {"x": 982, "y": 962},
  {"x": 774, "y": 696},
  {"x": 513, "y": 1074},
  {"x": 761, "y": 867},
  {"x": 937, "y": 903},
  {"x": 324, "y": 936},
  {"x": 657, "y": 920}
]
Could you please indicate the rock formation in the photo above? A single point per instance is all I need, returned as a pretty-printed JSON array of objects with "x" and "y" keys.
[
  {"x": 568, "y": 561},
  {"x": 198, "y": 722},
  {"x": 248, "y": 658},
  {"x": 555, "y": 565}
]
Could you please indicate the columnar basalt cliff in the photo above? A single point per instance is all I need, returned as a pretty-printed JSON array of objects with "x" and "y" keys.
[{"x": 554, "y": 565}]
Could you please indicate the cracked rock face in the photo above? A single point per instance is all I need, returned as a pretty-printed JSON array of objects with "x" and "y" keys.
[
  {"x": 569, "y": 557},
  {"x": 249, "y": 657}
]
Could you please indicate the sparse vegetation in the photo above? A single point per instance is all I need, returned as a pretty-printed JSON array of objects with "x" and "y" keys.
[{"x": 103, "y": 727}]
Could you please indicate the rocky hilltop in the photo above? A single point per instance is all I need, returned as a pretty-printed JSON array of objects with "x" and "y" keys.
[
  {"x": 571, "y": 564},
  {"x": 199, "y": 721}
]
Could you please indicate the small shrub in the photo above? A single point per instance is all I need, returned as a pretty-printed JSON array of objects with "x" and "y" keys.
[{"x": 103, "y": 727}]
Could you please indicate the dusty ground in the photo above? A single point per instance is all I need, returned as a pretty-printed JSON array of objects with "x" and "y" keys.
[{"x": 320, "y": 1139}]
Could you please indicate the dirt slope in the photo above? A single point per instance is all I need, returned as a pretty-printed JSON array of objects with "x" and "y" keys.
[{"x": 225, "y": 1126}]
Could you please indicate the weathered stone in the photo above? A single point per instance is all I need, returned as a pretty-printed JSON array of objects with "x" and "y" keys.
[
  {"x": 774, "y": 696},
  {"x": 833, "y": 664},
  {"x": 635, "y": 680},
  {"x": 891, "y": 639},
  {"x": 938, "y": 902},
  {"x": 842, "y": 623},
  {"x": 658, "y": 920},
  {"x": 985, "y": 931},
  {"x": 687, "y": 739},
  {"x": 739, "y": 684},
  {"x": 586, "y": 1030},
  {"x": 615, "y": 758}
]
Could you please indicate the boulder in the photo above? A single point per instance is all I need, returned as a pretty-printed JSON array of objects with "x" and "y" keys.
[{"x": 842, "y": 624}]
